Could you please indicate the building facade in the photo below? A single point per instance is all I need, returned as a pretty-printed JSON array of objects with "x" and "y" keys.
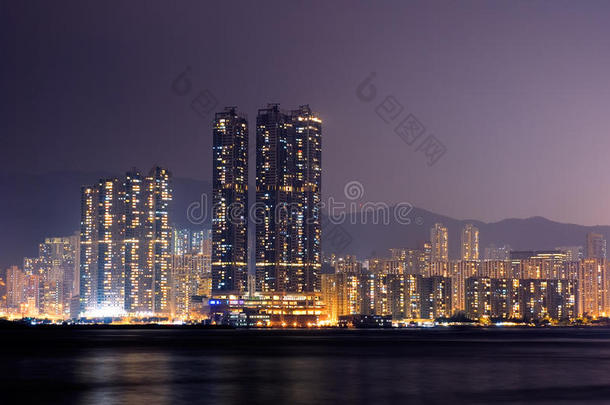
[
  {"x": 288, "y": 195},
  {"x": 230, "y": 203},
  {"x": 125, "y": 241},
  {"x": 470, "y": 242},
  {"x": 439, "y": 239},
  {"x": 595, "y": 246}
]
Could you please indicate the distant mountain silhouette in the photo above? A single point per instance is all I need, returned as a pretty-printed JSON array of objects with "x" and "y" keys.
[
  {"x": 33, "y": 207},
  {"x": 535, "y": 233}
]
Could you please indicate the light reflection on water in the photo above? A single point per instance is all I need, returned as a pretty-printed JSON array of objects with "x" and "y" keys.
[{"x": 358, "y": 370}]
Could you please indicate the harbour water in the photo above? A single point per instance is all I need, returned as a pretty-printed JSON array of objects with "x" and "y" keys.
[{"x": 185, "y": 366}]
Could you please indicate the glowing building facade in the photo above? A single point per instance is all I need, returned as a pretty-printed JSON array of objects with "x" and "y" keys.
[
  {"x": 110, "y": 279},
  {"x": 57, "y": 275},
  {"x": 125, "y": 241},
  {"x": 191, "y": 273},
  {"x": 138, "y": 282},
  {"x": 522, "y": 299},
  {"x": 230, "y": 203},
  {"x": 288, "y": 195},
  {"x": 307, "y": 186},
  {"x": 594, "y": 287},
  {"x": 439, "y": 238},
  {"x": 88, "y": 248},
  {"x": 158, "y": 237},
  {"x": 470, "y": 242}
]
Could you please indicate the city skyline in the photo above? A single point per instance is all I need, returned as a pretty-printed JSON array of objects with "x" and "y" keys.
[
  {"x": 304, "y": 202},
  {"x": 122, "y": 255}
]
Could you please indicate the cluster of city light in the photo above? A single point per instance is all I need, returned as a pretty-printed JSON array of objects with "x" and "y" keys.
[{"x": 128, "y": 265}]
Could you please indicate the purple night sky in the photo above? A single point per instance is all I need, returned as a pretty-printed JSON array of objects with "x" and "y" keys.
[{"x": 518, "y": 92}]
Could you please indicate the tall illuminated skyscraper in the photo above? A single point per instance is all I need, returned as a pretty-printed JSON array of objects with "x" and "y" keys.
[
  {"x": 158, "y": 237},
  {"x": 288, "y": 192},
  {"x": 125, "y": 241},
  {"x": 137, "y": 282},
  {"x": 230, "y": 203},
  {"x": 593, "y": 287},
  {"x": 470, "y": 242},
  {"x": 88, "y": 250},
  {"x": 307, "y": 195},
  {"x": 111, "y": 232},
  {"x": 274, "y": 179},
  {"x": 439, "y": 240}
]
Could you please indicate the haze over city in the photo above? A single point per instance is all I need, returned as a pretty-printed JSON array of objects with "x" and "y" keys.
[{"x": 515, "y": 91}]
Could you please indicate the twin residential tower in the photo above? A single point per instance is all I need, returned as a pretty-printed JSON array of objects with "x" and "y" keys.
[{"x": 286, "y": 213}]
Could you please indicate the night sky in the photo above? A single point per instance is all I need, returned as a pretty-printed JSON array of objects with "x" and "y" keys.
[{"x": 518, "y": 93}]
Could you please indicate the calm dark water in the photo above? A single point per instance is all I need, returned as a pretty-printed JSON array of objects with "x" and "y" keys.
[{"x": 305, "y": 367}]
